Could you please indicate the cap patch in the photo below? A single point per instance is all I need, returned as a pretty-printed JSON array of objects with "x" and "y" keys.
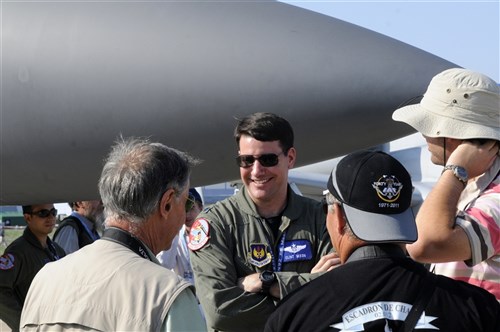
[
  {"x": 388, "y": 188},
  {"x": 259, "y": 255},
  {"x": 199, "y": 234},
  {"x": 375, "y": 192},
  {"x": 6, "y": 262}
]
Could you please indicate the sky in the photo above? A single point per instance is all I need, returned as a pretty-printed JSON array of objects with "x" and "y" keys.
[{"x": 466, "y": 33}]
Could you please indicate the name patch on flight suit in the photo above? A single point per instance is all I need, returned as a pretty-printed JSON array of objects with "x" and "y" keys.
[
  {"x": 6, "y": 262},
  {"x": 259, "y": 255},
  {"x": 199, "y": 234},
  {"x": 297, "y": 250}
]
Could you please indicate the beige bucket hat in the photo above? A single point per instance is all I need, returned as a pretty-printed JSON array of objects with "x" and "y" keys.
[{"x": 458, "y": 103}]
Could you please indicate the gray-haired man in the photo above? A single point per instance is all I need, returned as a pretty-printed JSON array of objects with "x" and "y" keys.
[{"x": 116, "y": 283}]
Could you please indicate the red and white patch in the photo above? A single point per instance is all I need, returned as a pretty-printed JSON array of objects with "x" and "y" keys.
[
  {"x": 6, "y": 262},
  {"x": 199, "y": 234}
]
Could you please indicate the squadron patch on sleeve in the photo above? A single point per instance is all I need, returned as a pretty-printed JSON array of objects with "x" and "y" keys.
[
  {"x": 199, "y": 234},
  {"x": 259, "y": 255},
  {"x": 6, "y": 262}
]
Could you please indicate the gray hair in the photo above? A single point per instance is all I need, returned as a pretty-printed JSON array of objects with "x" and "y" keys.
[
  {"x": 137, "y": 173},
  {"x": 331, "y": 201}
]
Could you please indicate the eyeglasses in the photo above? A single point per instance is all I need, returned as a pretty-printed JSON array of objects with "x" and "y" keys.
[
  {"x": 266, "y": 160},
  {"x": 45, "y": 213},
  {"x": 325, "y": 205},
  {"x": 190, "y": 202}
]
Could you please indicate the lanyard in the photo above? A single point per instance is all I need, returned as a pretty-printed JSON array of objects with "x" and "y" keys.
[
  {"x": 277, "y": 264},
  {"x": 51, "y": 249},
  {"x": 126, "y": 239}
]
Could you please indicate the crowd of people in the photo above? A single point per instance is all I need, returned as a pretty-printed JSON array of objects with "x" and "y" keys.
[{"x": 148, "y": 256}]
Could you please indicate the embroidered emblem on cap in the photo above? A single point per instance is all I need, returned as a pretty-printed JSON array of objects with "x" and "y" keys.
[
  {"x": 259, "y": 255},
  {"x": 6, "y": 262},
  {"x": 388, "y": 188},
  {"x": 199, "y": 234}
]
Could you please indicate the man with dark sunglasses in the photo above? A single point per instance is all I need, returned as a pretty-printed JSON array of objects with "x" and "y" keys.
[
  {"x": 250, "y": 250},
  {"x": 24, "y": 257}
]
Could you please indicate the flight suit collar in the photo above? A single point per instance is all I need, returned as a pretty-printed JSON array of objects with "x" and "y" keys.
[
  {"x": 31, "y": 238},
  {"x": 292, "y": 210}
]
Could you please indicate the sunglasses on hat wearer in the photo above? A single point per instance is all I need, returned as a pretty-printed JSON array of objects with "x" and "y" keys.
[
  {"x": 45, "y": 213},
  {"x": 265, "y": 160}
]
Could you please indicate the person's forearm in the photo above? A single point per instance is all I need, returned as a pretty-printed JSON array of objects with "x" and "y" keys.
[
  {"x": 229, "y": 311},
  {"x": 439, "y": 240}
]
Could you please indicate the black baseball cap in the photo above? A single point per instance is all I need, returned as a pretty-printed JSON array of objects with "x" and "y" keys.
[
  {"x": 196, "y": 196},
  {"x": 375, "y": 190}
]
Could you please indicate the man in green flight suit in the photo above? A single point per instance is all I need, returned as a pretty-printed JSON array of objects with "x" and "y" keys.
[{"x": 250, "y": 250}]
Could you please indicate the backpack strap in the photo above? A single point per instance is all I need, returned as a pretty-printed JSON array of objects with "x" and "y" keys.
[{"x": 69, "y": 221}]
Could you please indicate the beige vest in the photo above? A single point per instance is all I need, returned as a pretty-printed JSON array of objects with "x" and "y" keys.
[{"x": 103, "y": 286}]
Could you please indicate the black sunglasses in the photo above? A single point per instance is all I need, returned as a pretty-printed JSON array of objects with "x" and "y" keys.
[
  {"x": 190, "y": 202},
  {"x": 266, "y": 160},
  {"x": 45, "y": 213}
]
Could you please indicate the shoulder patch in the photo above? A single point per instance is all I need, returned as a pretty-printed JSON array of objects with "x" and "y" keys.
[
  {"x": 199, "y": 234},
  {"x": 6, "y": 262}
]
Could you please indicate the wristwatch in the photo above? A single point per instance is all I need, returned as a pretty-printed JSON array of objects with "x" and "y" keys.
[
  {"x": 459, "y": 172},
  {"x": 267, "y": 278}
]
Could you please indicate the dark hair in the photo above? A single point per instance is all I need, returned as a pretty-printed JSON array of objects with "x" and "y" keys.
[
  {"x": 196, "y": 196},
  {"x": 27, "y": 209},
  {"x": 266, "y": 127},
  {"x": 136, "y": 175}
]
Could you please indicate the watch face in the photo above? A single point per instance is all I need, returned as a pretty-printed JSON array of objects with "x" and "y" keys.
[
  {"x": 461, "y": 173},
  {"x": 267, "y": 276}
]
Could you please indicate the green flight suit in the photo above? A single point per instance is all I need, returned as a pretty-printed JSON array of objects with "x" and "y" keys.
[{"x": 236, "y": 235}]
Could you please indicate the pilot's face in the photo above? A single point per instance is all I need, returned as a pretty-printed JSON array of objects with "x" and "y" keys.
[{"x": 265, "y": 184}]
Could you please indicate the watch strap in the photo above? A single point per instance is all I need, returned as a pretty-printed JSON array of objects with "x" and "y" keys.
[{"x": 455, "y": 169}]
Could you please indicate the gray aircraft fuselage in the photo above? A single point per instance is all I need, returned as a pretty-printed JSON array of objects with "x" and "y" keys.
[{"x": 75, "y": 75}]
